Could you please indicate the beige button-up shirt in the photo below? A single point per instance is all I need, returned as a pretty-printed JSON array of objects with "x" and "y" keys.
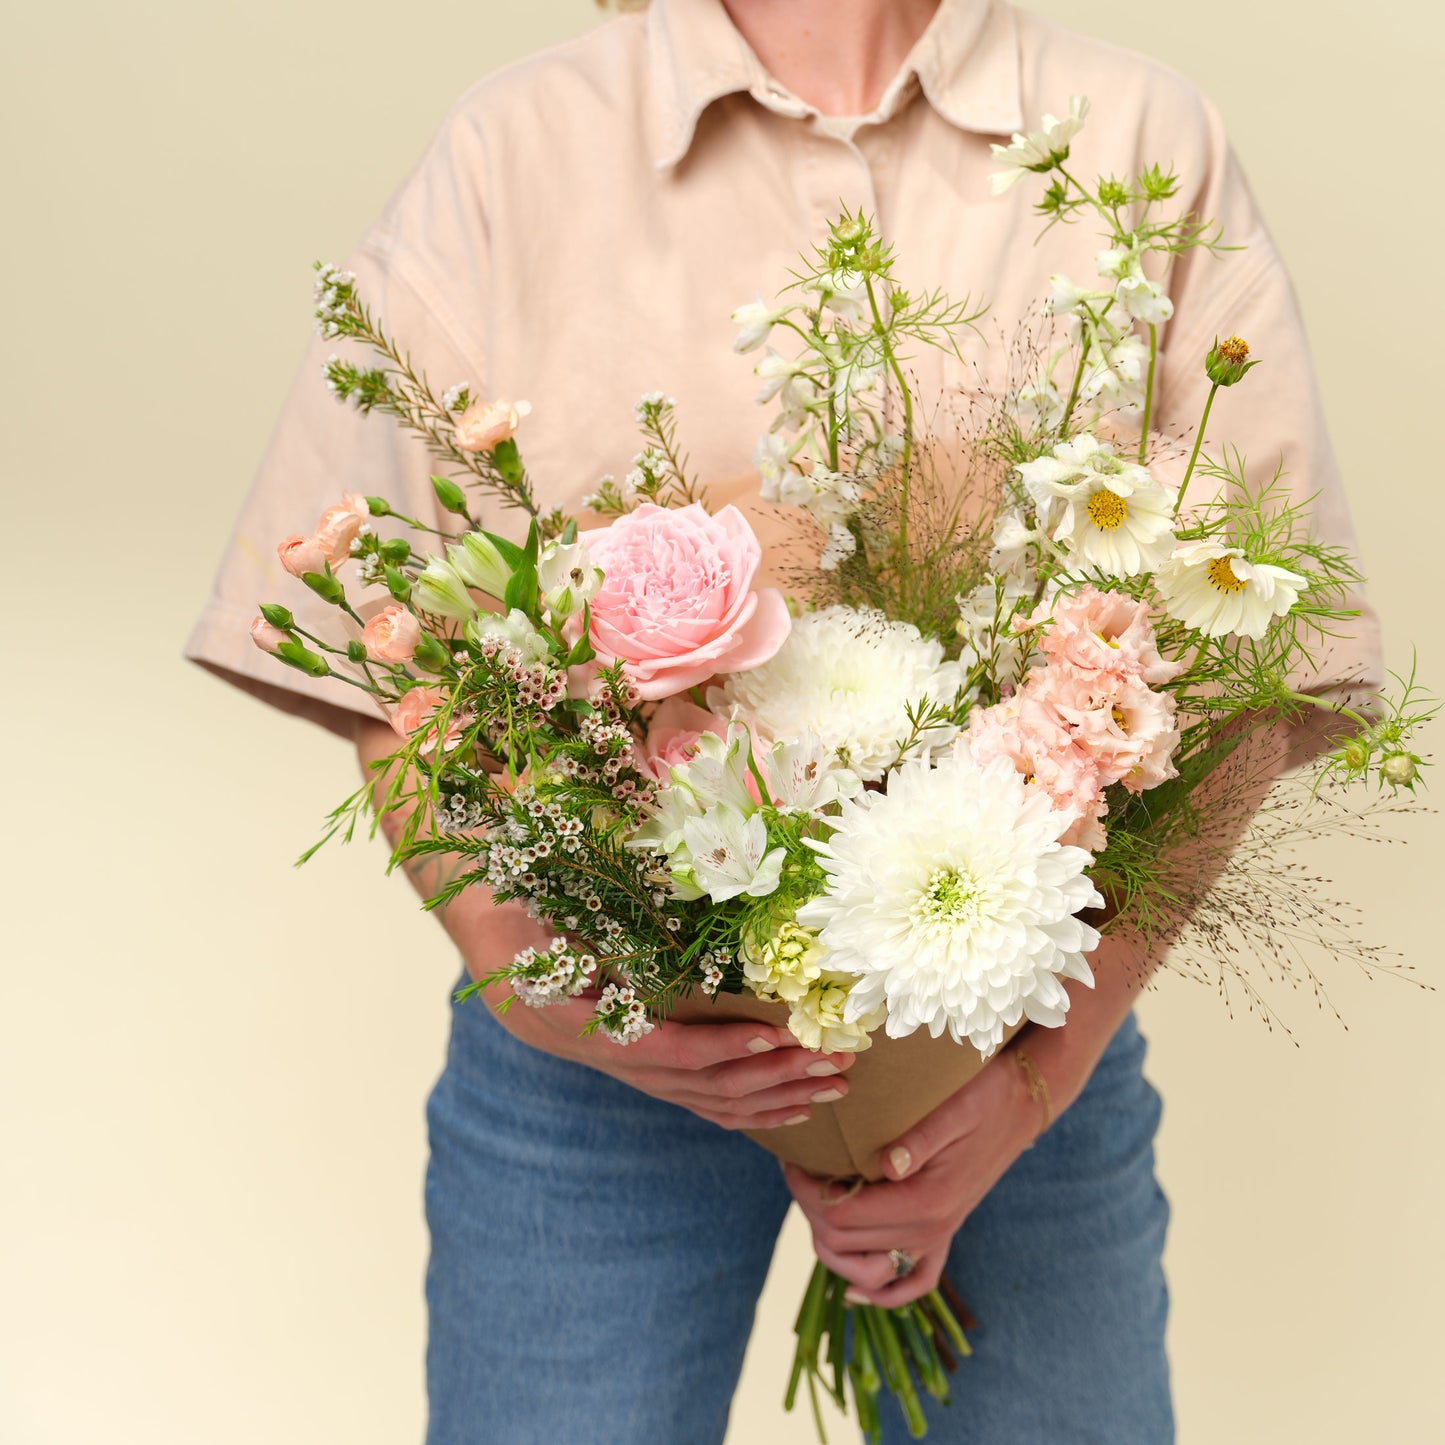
[{"x": 585, "y": 221}]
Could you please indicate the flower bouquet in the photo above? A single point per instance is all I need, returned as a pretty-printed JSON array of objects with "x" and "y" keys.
[{"x": 895, "y": 809}]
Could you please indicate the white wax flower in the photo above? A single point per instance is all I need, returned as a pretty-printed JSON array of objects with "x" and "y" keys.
[
  {"x": 951, "y": 901},
  {"x": 1221, "y": 592}
]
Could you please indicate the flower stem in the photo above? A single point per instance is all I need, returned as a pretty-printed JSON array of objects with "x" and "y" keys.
[
  {"x": 1198, "y": 442},
  {"x": 891, "y": 360},
  {"x": 1149, "y": 392}
]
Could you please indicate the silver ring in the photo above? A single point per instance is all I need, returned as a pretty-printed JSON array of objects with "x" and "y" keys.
[{"x": 902, "y": 1262}]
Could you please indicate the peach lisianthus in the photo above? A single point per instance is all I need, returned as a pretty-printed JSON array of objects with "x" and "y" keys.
[
  {"x": 392, "y": 635},
  {"x": 678, "y": 603},
  {"x": 486, "y": 424},
  {"x": 300, "y": 555},
  {"x": 1111, "y": 632},
  {"x": 340, "y": 526}
]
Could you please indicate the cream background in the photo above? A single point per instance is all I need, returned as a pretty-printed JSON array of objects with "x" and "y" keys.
[{"x": 212, "y": 1067}]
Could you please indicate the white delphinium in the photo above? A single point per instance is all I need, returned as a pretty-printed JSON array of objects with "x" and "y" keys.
[
  {"x": 1102, "y": 511},
  {"x": 952, "y": 902},
  {"x": 756, "y": 320},
  {"x": 1013, "y": 540},
  {"x": 1038, "y": 405},
  {"x": 1219, "y": 590},
  {"x": 1115, "y": 372},
  {"x": 1142, "y": 298},
  {"x": 848, "y": 675},
  {"x": 784, "y": 378},
  {"x": 1039, "y": 150}
]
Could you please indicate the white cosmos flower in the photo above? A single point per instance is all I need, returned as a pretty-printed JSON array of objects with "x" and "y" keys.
[
  {"x": 729, "y": 855},
  {"x": 847, "y": 675},
  {"x": 952, "y": 902},
  {"x": 1220, "y": 591},
  {"x": 1105, "y": 512},
  {"x": 756, "y": 320},
  {"x": 1039, "y": 150}
]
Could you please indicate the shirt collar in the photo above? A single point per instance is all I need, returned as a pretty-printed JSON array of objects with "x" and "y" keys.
[{"x": 966, "y": 63}]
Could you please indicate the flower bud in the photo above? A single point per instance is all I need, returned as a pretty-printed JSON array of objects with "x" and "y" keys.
[
  {"x": 1356, "y": 755},
  {"x": 1228, "y": 360},
  {"x": 1400, "y": 770},
  {"x": 441, "y": 589},
  {"x": 265, "y": 636},
  {"x": 302, "y": 658},
  {"x": 484, "y": 425},
  {"x": 325, "y": 586},
  {"x": 431, "y": 654},
  {"x": 355, "y": 651},
  {"x": 277, "y": 615},
  {"x": 480, "y": 564},
  {"x": 397, "y": 584},
  {"x": 378, "y": 506},
  {"x": 450, "y": 496},
  {"x": 300, "y": 555},
  {"x": 395, "y": 550}
]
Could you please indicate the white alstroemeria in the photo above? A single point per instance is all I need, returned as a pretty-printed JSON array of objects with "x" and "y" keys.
[
  {"x": 441, "y": 589},
  {"x": 804, "y": 775},
  {"x": 515, "y": 629},
  {"x": 673, "y": 807},
  {"x": 568, "y": 577},
  {"x": 780, "y": 375},
  {"x": 1220, "y": 591},
  {"x": 756, "y": 320},
  {"x": 1103, "y": 511},
  {"x": 719, "y": 770},
  {"x": 1038, "y": 150},
  {"x": 730, "y": 855},
  {"x": 480, "y": 564}
]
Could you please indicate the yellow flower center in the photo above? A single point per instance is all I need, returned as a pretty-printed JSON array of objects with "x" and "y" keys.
[
  {"x": 1107, "y": 510},
  {"x": 1235, "y": 350},
  {"x": 1222, "y": 578},
  {"x": 1121, "y": 721}
]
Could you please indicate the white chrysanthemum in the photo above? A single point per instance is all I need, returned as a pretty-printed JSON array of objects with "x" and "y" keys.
[
  {"x": 1220, "y": 591},
  {"x": 953, "y": 902},
  {"x": 1105, "y": 512},
  {"x": 847, "y": 675}
]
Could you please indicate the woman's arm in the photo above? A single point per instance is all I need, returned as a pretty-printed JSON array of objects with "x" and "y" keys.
[{"x": 737, "y": 1075}]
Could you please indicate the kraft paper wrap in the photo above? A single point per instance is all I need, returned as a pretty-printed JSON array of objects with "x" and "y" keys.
[{"x": 891, "y": 1086}]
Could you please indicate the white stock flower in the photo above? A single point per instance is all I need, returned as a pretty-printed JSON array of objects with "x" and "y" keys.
[
  {"x": 1103, "y": 511},
  {"x": 568, "y": 577},
  {"x": 729, "y": 854},
  {"x": 1038, "y": 150},
  {"x": 756, "y": 320},
  {"x": 1221, "y": 592},
  {"x": 951, "y": 900},
  {"x": 847, "y": 675}
]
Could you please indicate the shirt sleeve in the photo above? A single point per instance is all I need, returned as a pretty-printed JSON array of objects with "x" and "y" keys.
[
  {"x": 1273, "y": 417},
  {"x": 321, "y": 448}
]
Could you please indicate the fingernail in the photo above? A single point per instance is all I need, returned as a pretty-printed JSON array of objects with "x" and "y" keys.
[
  {"x": 900, "y": 1159},
  {"x": 796, "y": 1119},
  {"x": 826, "y": 1096},
  {"x": 759, "y": 1045},
  {"x": 855, "y": 1297},
  {"x": 823, "y": 1068}
]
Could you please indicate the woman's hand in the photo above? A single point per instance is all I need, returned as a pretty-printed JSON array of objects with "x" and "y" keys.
[
  {"x": 937, "y": 1174},
  {"x": 736, "y": 1075}
]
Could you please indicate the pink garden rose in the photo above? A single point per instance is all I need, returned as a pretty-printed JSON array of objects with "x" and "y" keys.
[
  {"x": 1026, "y": 732},
  {"x": 302, "y": 554},
  {"x": 340, "y": 525},
  {"x": 1103, "y": 632},
  {"x": 672, "y": 736},
  {"x": 392, "y": 636},
  {"x": 484, "y": 424},
  {"x": 266, "y": 637},
  {"x": 677, "y": 602}
]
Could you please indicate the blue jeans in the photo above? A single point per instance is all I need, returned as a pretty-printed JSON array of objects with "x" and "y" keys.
[{"x": 597, "y": 1256}]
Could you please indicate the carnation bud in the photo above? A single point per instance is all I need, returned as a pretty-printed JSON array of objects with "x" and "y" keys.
[
  {"x": 397, "y": 584},
  {"x": 451, "y": 496},
  {"x": 302, "y": 658},
  {"x": 1228, "y": 360},
  {"x": 265, "y": 636},
  {"x": 507, "y": 460},
  {"x": 355, "y": 651},
  {"x": 277, "y": 615},
  {"x": 394, "y": 550},
  {"x": 378, "y": 506},
  {"x": 431, "y": 654},
  {"x": 1400, "y": 770},
  {"x": 325, "y": 586}
]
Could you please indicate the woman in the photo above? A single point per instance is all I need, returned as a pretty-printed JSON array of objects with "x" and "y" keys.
[{"x": 578, "y": 234}]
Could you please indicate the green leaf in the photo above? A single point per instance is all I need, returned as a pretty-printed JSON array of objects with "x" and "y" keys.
[{"x": 511, "y": 553}]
